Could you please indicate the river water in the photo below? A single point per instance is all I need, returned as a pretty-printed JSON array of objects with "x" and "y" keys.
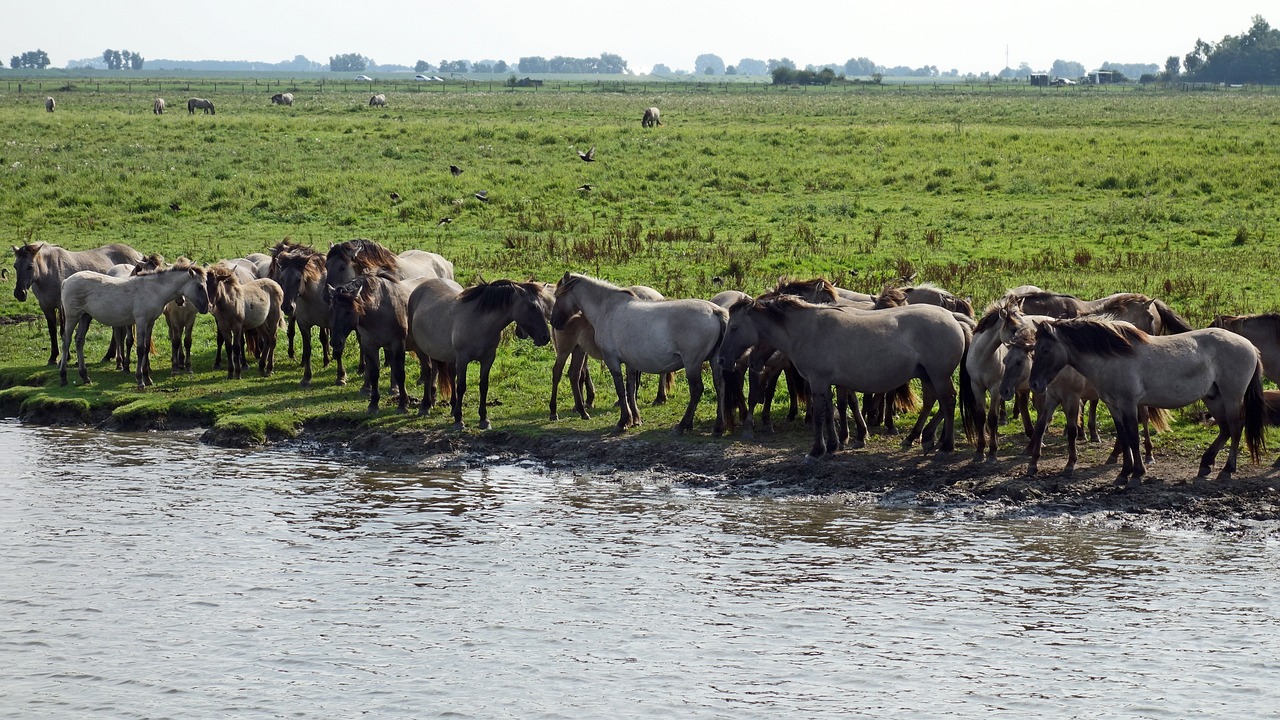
[{"x": 149, "y": 576}]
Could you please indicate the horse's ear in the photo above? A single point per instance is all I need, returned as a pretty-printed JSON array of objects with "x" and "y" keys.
[{"x": 566, "y": 276}]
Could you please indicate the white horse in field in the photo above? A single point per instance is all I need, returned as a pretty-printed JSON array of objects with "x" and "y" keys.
[
  {"x": 157, "y": 107},
  {"x": 378, "y": 100},
  {"x": 50, "y": 104},
  {"x": 285, "y": 99},
  {"x": 116, "y": 302},
  {"x": 646, "y": 336},
  {"x": 651, "y": 118}
]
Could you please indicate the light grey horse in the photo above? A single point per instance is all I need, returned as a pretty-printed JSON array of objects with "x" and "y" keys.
[
  {"x": 201, "y": 103},
  {"x": 282, "y": 99},
  {"x": 50, "y": 104},
  {"x": 157, "y": 107},
  {"x": 651, "y": 118},
  {"x": 378, "y": 100},
  {"x": 645, "y": 336}
]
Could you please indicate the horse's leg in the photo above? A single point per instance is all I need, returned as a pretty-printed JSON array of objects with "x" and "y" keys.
[
  {"x": 485, "y": 364},
  {"x": 144, "y": 349},
  {"x": 306, "y": 358},
  {"x": 339, "y": 366},
  {"x": 1022, "y": 405},
  {"x": 718, "y": 382},
  {"x": 187, "y": 336},
  {"x": 588, "y": 385},
  {"x": 794, "y": 385},
  {"x": 633, "y": 392},
  {"x": 398, "y": 376},
  {"x": 1093, "y": 422},
  {"x": 371, "y": 372},
  {"x": 820, "y": 404},
  {"x": 217, "y": 354},
  {"x": 992, "y": 426},
  {"x": 1144, "y": 415},
  {"x": 696, "y": 386},
  {"x": 620, "y": 387},
  {"x": 459, "y": 390},
  {"x": 947, "y": 413},
  {"x": 289, "y": 334},
  {"x": 1225, "y": 432},
  {"x": 664, "y": 380},
  {"x": 1071, "y": 406},
  {"x": 859, "y": 423},
  {"x": 918, "y": 428},
  {"x": 51, "y": 318},
  {"x": 557, "y": 370},
  {"x": 323, "y": 336},
  {"x": 1127, "y": 427}
]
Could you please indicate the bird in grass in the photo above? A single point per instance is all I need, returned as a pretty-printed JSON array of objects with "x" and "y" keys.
[
  {"x": 444, "y": 221},
  {"x": 588, "y": 156},
  {"x": 483, "y": 196},
  {"x": 584, "y": 188},
  {"x": 175, "y": 207},
  {"x": 395, "y": 197},
  {"x": 455, "y": 170}
]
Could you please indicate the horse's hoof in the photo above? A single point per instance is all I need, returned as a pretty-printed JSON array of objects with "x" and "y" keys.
[
  {"x": 485, "y": 425},
  {"x": 748, "y": 435},
  {"x": 811, "y": 459},
  {"x": 423, "y": 410},
  {"x": 659, "y": 401},
  {"x": 1068, "y": 471},
  {"x": 856, "y": 444},
  {"x": 459, "y": 426},
  {"x": 553, "y": 417},
  {"x": 1204, "y": 471},
  {"x": 305, "y": 383},
  {"x": 619, "y": 429}
]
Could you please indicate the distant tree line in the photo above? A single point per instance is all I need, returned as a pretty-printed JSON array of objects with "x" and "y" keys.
[
  {"x": 122, "y": 59},
  {"x": 1253, "y": 57},
  {"x": 606, "y": 64},
  {"x": 37, "y": 59}
]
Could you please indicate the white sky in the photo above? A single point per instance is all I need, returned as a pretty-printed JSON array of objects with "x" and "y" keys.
[{"x": 969, "y": 37}]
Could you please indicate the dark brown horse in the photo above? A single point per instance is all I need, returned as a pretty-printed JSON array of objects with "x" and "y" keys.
[
  {"x": 300, "y": 272},
  {"x": 376, "y": 307}
]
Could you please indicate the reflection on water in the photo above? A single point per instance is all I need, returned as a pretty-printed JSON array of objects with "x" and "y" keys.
[{"x": 147, "y": 575}]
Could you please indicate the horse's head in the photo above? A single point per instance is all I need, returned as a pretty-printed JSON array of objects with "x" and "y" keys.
[
  {"x": 567, "y": 302},
  {"x": 24, "y": 266},
  {"x": 196, "y": 289},
  {"x": 345, "y": 307},
  {"x": 1051, "y": 356},
  {"x": 1019, "y": 350},
  {"x": 530, "y": 316}
]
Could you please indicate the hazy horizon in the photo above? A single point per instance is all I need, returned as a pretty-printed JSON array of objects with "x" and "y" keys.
[{"x": 985, "y": 36}]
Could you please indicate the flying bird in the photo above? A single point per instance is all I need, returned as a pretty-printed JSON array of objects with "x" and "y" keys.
[
  {"x": 455, "y": 170},
  {"x": 588, "y": 156}
]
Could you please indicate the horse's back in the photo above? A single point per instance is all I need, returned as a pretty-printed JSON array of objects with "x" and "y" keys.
[
  {"x": 663, "y": 336},
  {"x": 431, "y": 309},
  {"x": 420, "y": 263}
]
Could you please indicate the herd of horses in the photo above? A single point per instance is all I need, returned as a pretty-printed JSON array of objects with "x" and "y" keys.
[{"x": 1129, "y": 351}]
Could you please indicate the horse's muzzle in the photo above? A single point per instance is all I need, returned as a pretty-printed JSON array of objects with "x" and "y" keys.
[{"x": 19, "y": 294}]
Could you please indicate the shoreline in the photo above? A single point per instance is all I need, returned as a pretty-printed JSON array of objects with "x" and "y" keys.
[{"x": 772, "y": 466}]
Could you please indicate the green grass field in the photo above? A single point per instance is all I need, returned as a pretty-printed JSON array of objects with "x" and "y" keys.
[{"x": 1086, "y": 191}]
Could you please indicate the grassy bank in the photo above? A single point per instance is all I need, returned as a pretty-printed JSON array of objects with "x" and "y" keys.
[{"x": 976, "y": 190}]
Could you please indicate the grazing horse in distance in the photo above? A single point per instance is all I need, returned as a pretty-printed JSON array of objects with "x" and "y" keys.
[
  {"x": 157, "y": 107},
  {"x": 285, "y": 99},
  {"x": 1130, "y": 368},
  {"x": 378, "y": 100},
  {"x": 49, "y": 104},
  {"x": 651, "y": 118},
  {"x": 41, "y": 269},
  {"x": 203, "y": 104},
  {"x": 138, "y": 299},
  {"x": 450, "y": 328}
]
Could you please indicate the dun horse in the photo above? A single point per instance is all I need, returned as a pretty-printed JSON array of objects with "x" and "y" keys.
[
  {"x": 50, "y": 104},
  {"x": 651, "y": 118},
  {"x": 285, "y": 99},
  {"x": 1261, "y": 330},
  {"x": 157, "y": 107},
  {"x": 451, "y": 327},
  {"x": 89, "y": 295},
  {"x": 200, "y": 103},
  {"x": 378, "y": 100},
  {"x": 1130, "y": 368},
  {"x": 860, "y": 351},
  {"x": 40, "y": 269},
  {"x": 643, "y": 336},
  {"x": 246, "y": 308}
]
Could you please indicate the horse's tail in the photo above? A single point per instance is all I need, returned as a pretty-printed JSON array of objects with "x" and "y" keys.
[
  {"x": 444, "y": 380},
  {"x": 905, "y": 398},
  {"x": 1158, "y": 419},
  {"x": 1255, "y": 416},
  {"x": 797, "y": 384},
  {"x": 969, "y": 413},
  {"x": 1173, "y": 322},
  {"x": 669, "y": 381}
]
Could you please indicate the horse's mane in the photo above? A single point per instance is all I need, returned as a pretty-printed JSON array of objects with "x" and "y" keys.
[
  {"x": 889, "y": 297},
  {"x": 1232, "y": 322},
  {"x": 992, "y": 315},
  {"x": 181, "y": 264},
  {"x": 1117, "y": 302},
  {"x": 496, "y": 295},
  {"x": 1024, "y": 335},
  {"x": 1044, "y": 296},
  {"x": 307, "y": 258},
  {"x": 1099, "y": 337},
  {"x": 366, "y": 253},
  {"x": 815, "y": 287},
  {"x": 571, "y": 279},
  {"x": 776, "y": 307},
  {"x": 221, "y": 270}
]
